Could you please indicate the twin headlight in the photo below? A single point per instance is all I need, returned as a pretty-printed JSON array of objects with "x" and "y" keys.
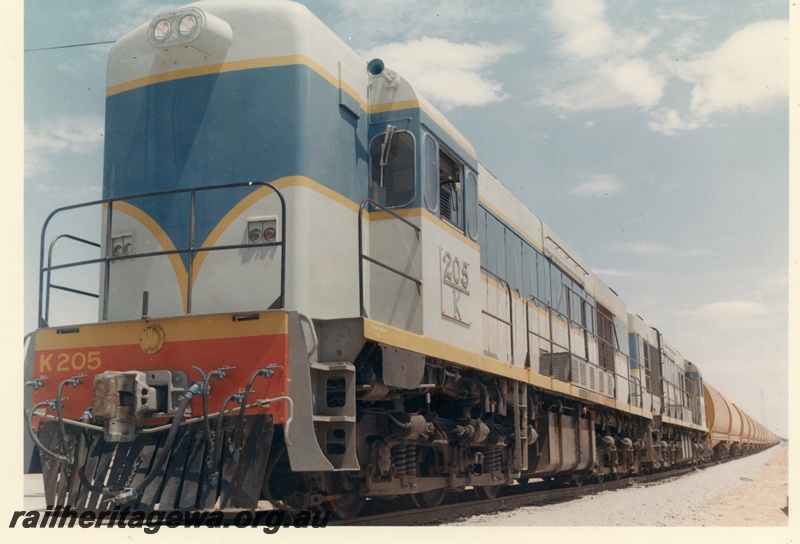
[
  {"x": 177, "y": 27},
  {"x": 187, "y": 25},
  {"x": 188, "y": 34}
]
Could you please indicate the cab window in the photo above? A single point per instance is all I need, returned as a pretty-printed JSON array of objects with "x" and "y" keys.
[
  {"x": 392, "y": 168},
  {"x": 431, "y": 173},
  {"x": 450, "y": 189}
]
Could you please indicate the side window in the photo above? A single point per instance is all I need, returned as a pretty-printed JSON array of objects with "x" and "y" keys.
[
  {"x": 471, "y": 204},
  {"x": 392, "y": 168},
  {"x": 431, "y": 173},
  {"x": 446, "y": 190},
  {"x": 450, "y": 189}
]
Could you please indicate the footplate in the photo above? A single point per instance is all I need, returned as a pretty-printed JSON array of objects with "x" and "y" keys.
[{"x": 184, "y": 482}]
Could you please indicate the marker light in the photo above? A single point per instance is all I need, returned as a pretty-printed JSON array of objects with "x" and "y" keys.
[
  {"x": 262, "y": 229},
  {"x": 122, "y": 245}
]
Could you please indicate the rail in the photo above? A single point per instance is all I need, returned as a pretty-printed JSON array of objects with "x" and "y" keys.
[
  {"x": 363, "y": 257},
  {"x": 45, "y": 287}
]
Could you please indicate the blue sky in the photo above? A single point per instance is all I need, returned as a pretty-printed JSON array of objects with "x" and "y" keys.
[{"x": 653, "y": 136}]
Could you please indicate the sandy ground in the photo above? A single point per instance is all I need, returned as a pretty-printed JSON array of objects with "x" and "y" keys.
[
  {"x": 752, "y": 491},
  {"x": 761, "y": 499}
]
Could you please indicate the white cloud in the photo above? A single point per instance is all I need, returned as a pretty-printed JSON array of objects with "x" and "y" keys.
[
  {"x": 585, "y": 32},
  {"x": 693, "y": 252},
  {"x": 611, "y": 70},
  {"x": 448, "y": 74},
  {"x": 731, "y": 314},
  {"x": 648, "y": 249},
  {"x": 606, "y": 66},
  {"x": 612, "y": 273},
  {"x": 79, "y": 135},
  {"x": 651, "y": 249},
  {"x": 748, "y": 73},
  {"x": 669, "y": 121},
  {"x": 679, "y": 16},
  {"x": 601, "y": 185},
  {"x": 366, "y": 23}
]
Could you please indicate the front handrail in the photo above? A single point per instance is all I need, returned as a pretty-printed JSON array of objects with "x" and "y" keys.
[
  {"x": 107, "y": 260},
  {"x": 362, "y": 257},
  {"x": 50, "y": 268}
]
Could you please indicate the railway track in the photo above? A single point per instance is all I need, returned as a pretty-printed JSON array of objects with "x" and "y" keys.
[{"x": 403, "y": 513}]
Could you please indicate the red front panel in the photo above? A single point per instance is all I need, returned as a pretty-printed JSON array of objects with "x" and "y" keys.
[{"x": 208, "y": 342}]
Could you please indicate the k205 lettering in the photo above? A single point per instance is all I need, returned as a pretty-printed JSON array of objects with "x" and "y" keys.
[
  {"x": 66, "y": 362},
  {"x": 455, "y": 271}
]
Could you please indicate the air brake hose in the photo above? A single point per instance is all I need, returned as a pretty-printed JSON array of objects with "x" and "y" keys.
[
  {"x": 237, "y": 434},
  {"x": 218, "y": 438},
  {"x": 220, "y": 374},
  {"x": 74, "y": 382},
  {"x": 35, "y": 438}
]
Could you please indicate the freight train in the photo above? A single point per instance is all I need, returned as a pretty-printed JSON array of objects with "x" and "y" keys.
[{"x": 310, "y": 291}]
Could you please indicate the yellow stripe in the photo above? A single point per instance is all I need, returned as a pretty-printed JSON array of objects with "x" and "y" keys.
[
  {"x": 234, "y": 66},
  {"x": 421, "y": 212},
  {"x": 381, "y": 332},
  {"x": 176, "y": 329},
  {"x": 222, "y": 226},
  {"x": 164, "y": 241},
  {"x": 387, "y": 107},
  {"x": 302, "y": 181},
  {"x": 273, "y": 62},
  {"x": 263, "y": 192}
]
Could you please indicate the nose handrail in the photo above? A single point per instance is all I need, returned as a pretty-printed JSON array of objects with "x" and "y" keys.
[
  {"x": 106, "y": 260},
  {"x": 362, "y": 257}
]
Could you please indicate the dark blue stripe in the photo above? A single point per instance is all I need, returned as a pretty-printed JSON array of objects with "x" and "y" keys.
[{"x": 249, "y": 125}]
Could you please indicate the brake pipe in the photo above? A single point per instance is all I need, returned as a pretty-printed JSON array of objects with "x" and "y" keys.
[
  {"x": 29, "y": 426},
  {"x": 266, "y": 402},
  {"x": 220, "y": 374},
  {"x": 267, "y": 372},
  {"x": 75, "y": 381},
  {"x": 218, "y": 435}
]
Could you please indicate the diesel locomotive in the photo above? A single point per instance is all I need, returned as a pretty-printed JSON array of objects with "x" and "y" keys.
[{"x": 311, "y": 292}]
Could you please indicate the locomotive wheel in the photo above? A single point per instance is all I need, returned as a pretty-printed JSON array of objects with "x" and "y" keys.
[
  {"x": 281, "y": 487},
  {"x": 429, "y": 499},
  {"x": 347, "y": 506},
  {"x": 487, "y": 492},
  {"x": 599, "y": 478},
  {"x": 347, "y": 502}
]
